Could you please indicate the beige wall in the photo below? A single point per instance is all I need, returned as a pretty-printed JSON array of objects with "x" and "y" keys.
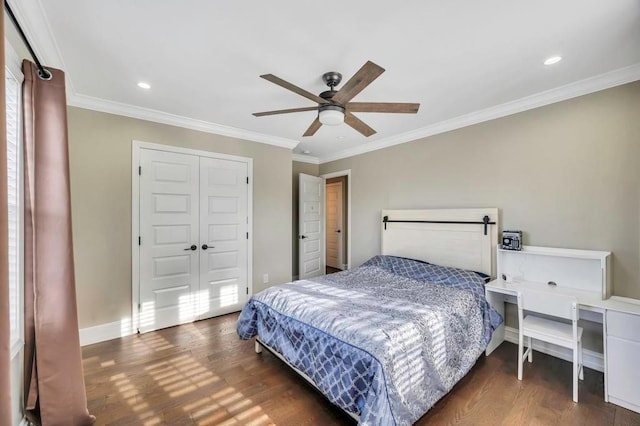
[
  {"x": 100, "y": 157},
  {"x": 567, "y": 174},
  {"x": 308, "y": 169}
]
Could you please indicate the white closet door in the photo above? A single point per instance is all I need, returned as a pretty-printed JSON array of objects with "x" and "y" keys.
[
  {"x": 224, "y": 240},
  {"x": 311, "y": 227},
  {"x": 169, "y": 271}
]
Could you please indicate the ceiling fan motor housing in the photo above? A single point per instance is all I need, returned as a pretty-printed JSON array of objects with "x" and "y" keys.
[
  {"x": 332, "y": 78},
  {"x": 331, "y": 107}
]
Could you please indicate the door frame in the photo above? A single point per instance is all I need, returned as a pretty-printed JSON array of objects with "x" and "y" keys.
[
  {"x": 136, "y": 147},
  {"x": 326, "y": 176}
]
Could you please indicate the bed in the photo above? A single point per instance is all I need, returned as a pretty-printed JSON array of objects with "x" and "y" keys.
[{"x": 386, "y": 340}]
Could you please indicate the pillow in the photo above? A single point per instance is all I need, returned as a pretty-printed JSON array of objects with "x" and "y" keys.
[
  {"x": 484, "y": 276},
  {"x": 422, "y": 270}
]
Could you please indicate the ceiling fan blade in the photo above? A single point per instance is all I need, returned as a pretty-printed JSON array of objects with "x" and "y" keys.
[
  {"x": 358, "y": 124},
  {"x": 284, "y": 111},
  {"x": 390, "y": 107},
  {"x": 313, "y": 128},
  {"x": 358, "y": 82},
  {"x": 295, "y": 89}
]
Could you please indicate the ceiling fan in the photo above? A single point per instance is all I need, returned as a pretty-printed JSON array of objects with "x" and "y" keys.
[{"x": 334, "y": 106}]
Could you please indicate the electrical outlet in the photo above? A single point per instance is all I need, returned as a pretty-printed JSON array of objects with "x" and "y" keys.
[{"x": 265, "y": 278}]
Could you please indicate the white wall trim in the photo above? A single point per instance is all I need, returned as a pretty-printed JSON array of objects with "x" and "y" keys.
[
  {"x": 35, "y": 24},
  {"x": 346, "y": 173},
  {"x": 38, "y": 30},
  {"x": 591, "y": 359},
  {"x": 306, "y": 159},
  {"x": 104, "y": 332},
  {"x": 189, "y": 151},
  {"x": 558, "y": 94},
  {"x": 36, "y": 27},
  {"x": 141, "y": 113}
]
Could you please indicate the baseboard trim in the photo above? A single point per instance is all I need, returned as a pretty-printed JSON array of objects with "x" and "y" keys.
[
  {"x": 104, "y": 332},
  {"x": 625, "y": 404},
  {"x": 590, "y": 359}
]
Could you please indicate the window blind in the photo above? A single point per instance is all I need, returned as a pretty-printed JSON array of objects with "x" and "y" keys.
[{"x": 13, "y": 167}]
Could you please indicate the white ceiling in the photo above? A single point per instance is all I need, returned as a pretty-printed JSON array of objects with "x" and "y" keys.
[{"x": 203, "y": 58}]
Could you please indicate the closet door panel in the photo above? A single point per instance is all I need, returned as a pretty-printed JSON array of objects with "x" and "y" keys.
[
  {"x": 223, "y": 234},
  {"x": 169, "y": 226}
]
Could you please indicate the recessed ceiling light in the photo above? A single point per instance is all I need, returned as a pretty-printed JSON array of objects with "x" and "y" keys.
[
  {"x": 144, "y": 85},
  {"x": 553, "y": 60},
  {"x": 306, "y": 151},
  {"x": 340, "y": 137}
]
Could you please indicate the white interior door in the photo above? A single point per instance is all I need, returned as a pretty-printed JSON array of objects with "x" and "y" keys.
[
  {"x": 311, "y": 226},
  {"x": 224, "y": 237},
  {"x": 334, "y": 225},
  {"x": 169, "y": 256}
]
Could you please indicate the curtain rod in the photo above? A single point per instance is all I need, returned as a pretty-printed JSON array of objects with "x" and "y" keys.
[{"x": 43, "y": 73}]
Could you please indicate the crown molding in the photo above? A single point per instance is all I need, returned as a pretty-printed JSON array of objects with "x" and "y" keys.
[
  {"x": 35, "y": 24},
  {"x": 127, "y": 110},
  {"x": 33, "y": 19},
  {"x": 562, "y": 93},
  {"x": 306, "y": 159}
]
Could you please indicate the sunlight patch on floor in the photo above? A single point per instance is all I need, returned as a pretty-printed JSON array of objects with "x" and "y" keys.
[{"x": 177, "y": 377}]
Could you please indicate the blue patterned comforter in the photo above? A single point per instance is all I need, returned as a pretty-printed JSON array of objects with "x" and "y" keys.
[{"x": 384, "y": 341}]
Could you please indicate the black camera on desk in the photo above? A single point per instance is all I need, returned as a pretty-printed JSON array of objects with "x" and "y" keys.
[{"x": 512, "y": 240}]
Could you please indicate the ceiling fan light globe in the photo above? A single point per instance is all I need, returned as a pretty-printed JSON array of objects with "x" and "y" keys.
[{"x": 331, "y": 117}]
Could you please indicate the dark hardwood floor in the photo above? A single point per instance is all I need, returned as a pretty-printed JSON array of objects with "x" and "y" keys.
[
  {"x": 331, "y": 270},
  {"x": 202, "y": 373}
]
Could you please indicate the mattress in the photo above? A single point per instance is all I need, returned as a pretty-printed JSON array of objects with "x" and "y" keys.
[{"x": 384, "y": 341}]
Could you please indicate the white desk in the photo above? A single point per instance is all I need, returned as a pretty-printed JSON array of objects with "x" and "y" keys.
[{"x": 622, "y": 386}]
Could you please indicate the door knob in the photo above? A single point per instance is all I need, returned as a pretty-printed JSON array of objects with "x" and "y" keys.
[
  {"x": 338, "y": 231},
  {"x": 193, "y": 247},
  {"x": 204, "y": 247},
  {"x": 302, "y": 237}
]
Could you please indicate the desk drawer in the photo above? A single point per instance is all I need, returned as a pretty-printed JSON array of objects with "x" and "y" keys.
[
  {"x": 623, "y": 374},
  {"x": 625, "y": 326}
]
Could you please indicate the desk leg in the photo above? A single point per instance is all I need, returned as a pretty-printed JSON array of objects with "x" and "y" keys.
[
  {"x": 496, "y": 300},
  {"x": 604, "y": 346}
]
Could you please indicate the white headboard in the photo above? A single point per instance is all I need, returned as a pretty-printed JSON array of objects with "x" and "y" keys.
[{"x": 461, "y": 245}]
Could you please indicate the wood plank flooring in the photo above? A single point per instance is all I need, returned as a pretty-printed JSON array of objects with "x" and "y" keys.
[
  {"x": 202, "y": 373},
  {"x": 331, "y": 270}
]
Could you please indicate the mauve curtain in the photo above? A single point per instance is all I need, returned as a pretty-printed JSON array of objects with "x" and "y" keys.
[
  {"x": 5, "y": 331},
  {"x": 54, "y": 382}
]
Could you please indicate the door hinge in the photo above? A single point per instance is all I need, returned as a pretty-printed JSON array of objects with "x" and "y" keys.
[
  {"x": 247, "y": 290},
  {"x": 138, "y": 306},
  {"x": 139, "y": 241},
  {"x": 139, "y": 170},
  {"x": 247, "y": 180},
  {"x": 247, "y": 235}
]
